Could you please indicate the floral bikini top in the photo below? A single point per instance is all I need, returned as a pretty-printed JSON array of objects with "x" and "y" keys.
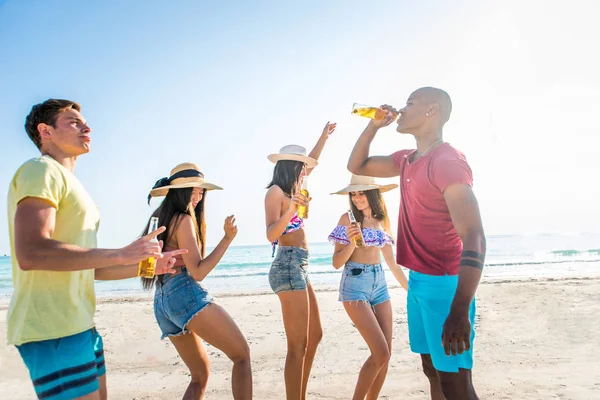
[
  {"x": 295, "y": 224},
  {"x": 372, "y": 237}
]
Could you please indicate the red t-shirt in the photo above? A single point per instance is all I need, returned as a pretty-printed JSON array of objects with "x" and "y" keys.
[{"x": 427, "y": 241}]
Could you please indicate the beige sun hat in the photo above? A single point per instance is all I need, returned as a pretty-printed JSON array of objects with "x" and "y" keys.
[
  {"x": 293, "y": 152},
  {"x": 185, "y": 175},
  {"x": 361, "y": 183}
]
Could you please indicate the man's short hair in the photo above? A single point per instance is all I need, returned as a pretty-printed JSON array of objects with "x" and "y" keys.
[{"x": 46, "y": 113}]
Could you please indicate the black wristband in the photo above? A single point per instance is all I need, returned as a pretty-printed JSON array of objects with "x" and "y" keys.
[
  {"x": 472, "y": 254},
  {"x": 471, "y": 263}
]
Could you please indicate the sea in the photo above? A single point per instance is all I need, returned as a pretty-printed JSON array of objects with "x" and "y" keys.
[{"x": 245, "y": 269}]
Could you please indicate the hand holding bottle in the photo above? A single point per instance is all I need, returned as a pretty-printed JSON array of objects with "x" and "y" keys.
[
  {"x": 142, "y": 248},
  {"x": 147, "y": 265},
  {"x": 387, "y": 115},
  {"x": 357, "y": 236},
  {"x": 298, "y": 199},
  {"x": 353, "y": 232}
]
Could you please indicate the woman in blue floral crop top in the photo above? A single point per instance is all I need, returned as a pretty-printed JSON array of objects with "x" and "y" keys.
[{"x": 363, "y": 288}]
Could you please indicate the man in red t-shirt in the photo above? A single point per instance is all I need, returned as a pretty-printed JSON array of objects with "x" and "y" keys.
[{"x": 440, "y": 238}]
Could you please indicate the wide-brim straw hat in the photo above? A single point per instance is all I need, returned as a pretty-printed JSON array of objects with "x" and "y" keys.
[
  {"x": 184, "y": 175},
  {"x": 293, "y": 152},
  {"x": 361, "y": 183}
]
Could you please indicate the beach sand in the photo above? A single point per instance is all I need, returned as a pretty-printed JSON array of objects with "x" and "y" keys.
[{"x": 535, "y": 339}]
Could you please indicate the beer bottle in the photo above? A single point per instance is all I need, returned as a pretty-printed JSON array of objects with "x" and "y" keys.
[
  {"x": 358, "y": 240},
  {"x": 303, "y": 210},
  {"x": 146, "y": 267},
  {"x": 369, "y": 112}
]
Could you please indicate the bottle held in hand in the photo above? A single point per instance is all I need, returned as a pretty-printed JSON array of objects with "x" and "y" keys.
[
  {"x": 369, "y": 112},
  {"x": 146, "y": 267},
  {"x": 358, "y": 240},
  {"x": 303, "y": 210}
]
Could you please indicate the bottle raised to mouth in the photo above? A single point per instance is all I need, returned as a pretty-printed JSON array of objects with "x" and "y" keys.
[
  {"x": 358, "y": 241},
  {"x": 369, "y": 111},
  {"x": 146, "y": 267}
]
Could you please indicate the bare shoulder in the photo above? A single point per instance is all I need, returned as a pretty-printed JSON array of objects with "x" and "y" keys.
[
  {"x": 183, "y": 224},
  {"x": 274, "y": 192},
  {"x": 275, "y": 195},
  {"x": 344, "y": 220}
]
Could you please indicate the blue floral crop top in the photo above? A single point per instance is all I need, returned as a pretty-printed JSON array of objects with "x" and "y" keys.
[{"x": 372, "y": 237}]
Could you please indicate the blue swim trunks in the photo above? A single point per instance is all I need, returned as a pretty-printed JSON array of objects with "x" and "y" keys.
[
  {"x": 65, "y": 368},
  {"x": 428, "y": 303}
]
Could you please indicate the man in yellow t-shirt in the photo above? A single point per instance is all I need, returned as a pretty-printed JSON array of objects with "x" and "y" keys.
[{"x": 53, "y": 224}]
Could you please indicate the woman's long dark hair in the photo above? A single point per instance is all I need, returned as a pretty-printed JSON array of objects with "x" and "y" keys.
[
  {"x": 176, "y": 204},
  {"x": 286, "y": 175},
  {"x": 378, "y": 209}
]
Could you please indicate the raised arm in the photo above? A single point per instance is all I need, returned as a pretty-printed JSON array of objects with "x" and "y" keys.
[
  {"x": 360, "y": 163},
  {"x": 388, "y": 256},
  {"x": 35, "y": 249},
  {"x": 464, "y": 211},
  {"x": 185, "y": 235},
  {"x": 316, "y": 151}
]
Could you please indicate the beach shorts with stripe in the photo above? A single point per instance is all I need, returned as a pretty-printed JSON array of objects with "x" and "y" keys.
[{"x": 65, "y": 368}]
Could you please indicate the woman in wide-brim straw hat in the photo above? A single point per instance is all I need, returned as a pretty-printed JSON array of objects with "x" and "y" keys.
[
  {"x": 363, "y": 288},
  {"x": 184, "y": 310},
  {"x": 288, "y": 276}
]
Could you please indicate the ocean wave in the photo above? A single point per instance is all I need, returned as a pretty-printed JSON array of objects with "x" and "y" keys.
[
  {"x": 513, "y": 263},
  {"x": 321, "y": 264},
  {"x": 261, "y": 273},
  {"x": 574, "y": 252},
  {"x": 265, "y": 272}
]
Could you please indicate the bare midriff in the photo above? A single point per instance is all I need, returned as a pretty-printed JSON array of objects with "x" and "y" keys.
[
  {"x": 294, "y": 239},
  {"x": 367, "y": 255}
]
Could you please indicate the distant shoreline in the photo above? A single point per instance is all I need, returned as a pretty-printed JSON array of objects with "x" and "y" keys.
[
  {"x": 497, "y": 236},
  {"x": 489, "y": 281},
  {"x": 148, "y": 296}
]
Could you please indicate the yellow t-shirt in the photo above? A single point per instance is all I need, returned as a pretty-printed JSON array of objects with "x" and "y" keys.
[{"x": 50, "y": 304}]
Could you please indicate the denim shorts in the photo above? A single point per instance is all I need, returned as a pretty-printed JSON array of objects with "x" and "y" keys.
[
  {"x": 363, "y": 282},
  {"x": 67, "y": 367},
  {"x": 177, "y": 299},
  {"x": 428, "y": 303},
  {"x": 289, "y": 270}
]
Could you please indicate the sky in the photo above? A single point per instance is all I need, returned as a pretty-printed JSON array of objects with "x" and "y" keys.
[{"x": 224, "y": 84}]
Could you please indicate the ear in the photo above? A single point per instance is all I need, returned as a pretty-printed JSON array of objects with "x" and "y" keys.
[
  {"x": 432, "y": 109},
  {"x": 44, "y": 130}
]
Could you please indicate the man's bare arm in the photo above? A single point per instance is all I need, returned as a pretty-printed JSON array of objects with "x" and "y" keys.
[
  {"x": 360, "y": 163},
  {"x": 36, "y": 250},
  {"x": 164, "y": 265},
  {"x": 464, "y": 211}
]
